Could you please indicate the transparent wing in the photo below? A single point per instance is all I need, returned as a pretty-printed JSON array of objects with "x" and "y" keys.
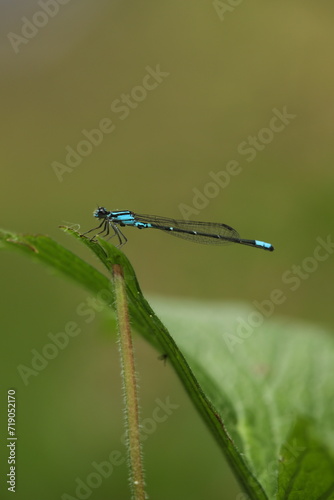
[{"x": 199, "y": 232}]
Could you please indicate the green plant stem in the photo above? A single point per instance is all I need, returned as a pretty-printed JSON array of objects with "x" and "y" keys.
[{"x": 130, "y": 386}]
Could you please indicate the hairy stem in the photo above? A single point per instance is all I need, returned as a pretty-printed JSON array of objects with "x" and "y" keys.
[{"x": 130, "y": 387}]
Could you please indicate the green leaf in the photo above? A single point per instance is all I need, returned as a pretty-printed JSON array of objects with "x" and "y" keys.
[
  {"x": 306, "y": 467},
  {"x": 273, "y": 388},
  {"x": 265, "y": 392},
  {"x": 46, "y": 250}
]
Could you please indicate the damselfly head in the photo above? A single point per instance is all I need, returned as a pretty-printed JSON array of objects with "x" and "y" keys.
[{"x": 100, "y": 213}]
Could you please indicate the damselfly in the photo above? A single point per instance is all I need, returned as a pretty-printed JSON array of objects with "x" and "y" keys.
[{"x": 210, "y": 233}]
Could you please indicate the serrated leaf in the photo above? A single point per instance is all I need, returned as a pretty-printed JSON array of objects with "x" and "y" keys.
[
  {"x": 254, "y": 386},
  {"x": 272, "y": 387}
]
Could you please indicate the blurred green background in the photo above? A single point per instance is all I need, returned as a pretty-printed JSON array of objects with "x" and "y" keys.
[{"x": 227, "y": 70}]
